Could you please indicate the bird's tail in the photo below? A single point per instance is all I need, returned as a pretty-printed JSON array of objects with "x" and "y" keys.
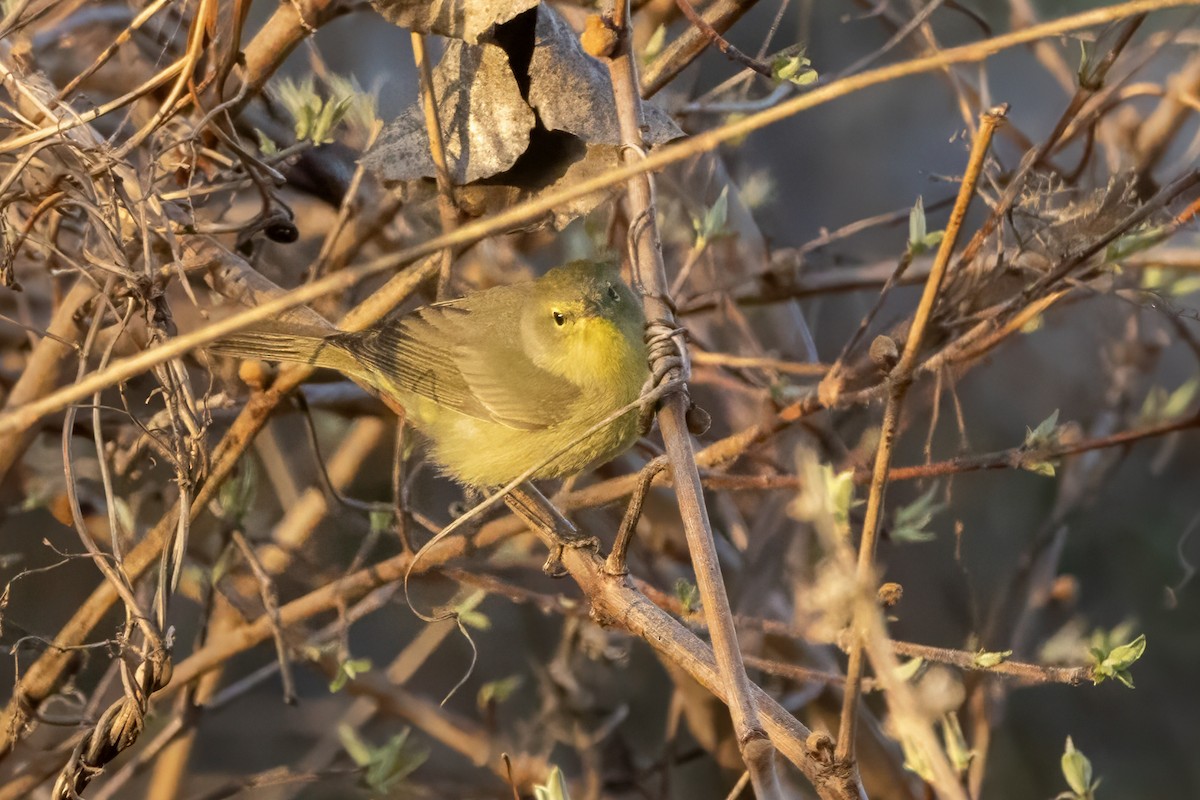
[{"x": 293, "y": 343}]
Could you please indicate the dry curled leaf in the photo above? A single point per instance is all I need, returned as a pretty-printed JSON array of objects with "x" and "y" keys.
[
  {"x": 472, "y": 84},
  {"x": 504, "y": 145},
  {"x": 573, "y": 92},
  {"x": 470, "y": 20}
]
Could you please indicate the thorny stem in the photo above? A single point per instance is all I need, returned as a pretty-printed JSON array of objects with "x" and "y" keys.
[{"x": 900, "y": 379}]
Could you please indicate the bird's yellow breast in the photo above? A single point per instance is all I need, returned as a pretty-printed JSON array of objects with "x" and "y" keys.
[{"x": 609, "y": 371}]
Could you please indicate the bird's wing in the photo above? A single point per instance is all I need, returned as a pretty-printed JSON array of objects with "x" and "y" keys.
[
  {"x": 515, "y": 391},
  {"x": 446, "y": 355}
]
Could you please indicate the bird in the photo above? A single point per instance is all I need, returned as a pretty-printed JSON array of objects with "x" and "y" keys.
[{"x": 499, "y": 380}]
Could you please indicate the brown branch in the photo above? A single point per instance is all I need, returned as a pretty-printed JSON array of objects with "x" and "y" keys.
[
  {"x": 900, "y": 379},
  {"x": 616, "y": 602},
  {"x": 41, "y": 678},
  {"x": 650, "y": 277},
  {"x": 675, "y": 57},
  {"x": 290, "y": 24},
  {"x": 43, "y": 368},
  {"x": 447, "y": 209},
  {"x": 534, "y": 209},
  {"x": 721, "y": 42},
  {"x": 612, "y": 598},
  {"x": 1019, "y": 457}
]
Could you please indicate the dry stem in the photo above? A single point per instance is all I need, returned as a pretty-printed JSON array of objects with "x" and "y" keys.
[{"x": 900, "y": 379}]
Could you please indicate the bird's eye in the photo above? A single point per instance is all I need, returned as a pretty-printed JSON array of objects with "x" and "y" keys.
[
  {"x": 559, "y": 319},
  {"x": 612, "y": 294}
]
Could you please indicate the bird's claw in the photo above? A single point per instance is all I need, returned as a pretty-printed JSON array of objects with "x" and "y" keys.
[{"x": 554, "y": 567}]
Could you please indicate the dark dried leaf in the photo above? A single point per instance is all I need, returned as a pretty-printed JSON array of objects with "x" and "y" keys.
[
  {"x": 572, "y": 91},
  {"x": 469, "y": 20},
  {"x": 472, "y": 84}
]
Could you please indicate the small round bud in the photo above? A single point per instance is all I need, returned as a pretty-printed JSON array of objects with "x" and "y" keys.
[
  {"x": 884, "y": 353},
  {"x": 698, "y": 420},
  {"x": 1065, "y": 589},
  {"x": 890, "y": 594},
  {"x": 599, "y": 38},
  {"x": 255, "y": 374}
]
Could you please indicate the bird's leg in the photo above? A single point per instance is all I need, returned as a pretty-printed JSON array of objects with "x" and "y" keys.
[{"x": 548, "y": 522}]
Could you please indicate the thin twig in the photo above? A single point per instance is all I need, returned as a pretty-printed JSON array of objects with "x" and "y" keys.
[
  {"x": 721, "y": 42},
  {"x": 447, "y": 209},
  {"x": 675, "y": 57},
  {"x": 534, "y": 209},
  {"x": 899, "y": 380},
  {"x": 650, "y": 276}
]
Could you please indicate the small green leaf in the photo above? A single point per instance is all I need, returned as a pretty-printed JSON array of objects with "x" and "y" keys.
[
  {"x": 354, "y": 745},
  {"x": 916, "y": 223},
  {"x": 222, "y": 566},
  {"x": 911, "y": 521},
  {"x": 825, "y": 498},
  {"x": 915, "y": 759},
  {"x": 496, "y": 692},
  {"x": 654, "y": 45},
  {"x": 384, "y": 768},
  {"x": 1039, "y": 468},
  {"x": 687, "y": 594},
  {"x": 1043, "y": 434},
  {"x": 362, "y": 113},
  {"x": 1163, "y": 406},
  {"x": 266, "y": 145},
  {"x": 468, "y": 614},
  {"x": 712, "y": 225},
  {"x": 1077, "y": 770},
  {"x": 919, "y": 239},
  {"x": 381, "y": 518},
  {"x": 1034, "y": 324},
  {"x": 348, "y": 670},
  {"x": 236, "y": 495},
  {"x": 1105, "y": 640},
  {"x": 956, "y": 744},
  {"x": 909, "y": 669},
  {"x": 475, "y": 619},
  {"x": 793, "y": 68},
  {"x": 840, "y": 487},
  {"x": 1115, "y": 663},
  {"x": 986, "y": 660},
  {"x": 314, "y": 117},
  {"x": 1135, "y": 242},
  {"x": 555, "y": 787}
]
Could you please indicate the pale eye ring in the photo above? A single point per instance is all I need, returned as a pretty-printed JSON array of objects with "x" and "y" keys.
[
  {"x": 612, "y": 293},
  {"x": 559, "y": 319}
]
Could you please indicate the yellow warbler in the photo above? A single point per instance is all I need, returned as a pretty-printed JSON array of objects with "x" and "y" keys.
[{"x": 500, "y": 379}]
